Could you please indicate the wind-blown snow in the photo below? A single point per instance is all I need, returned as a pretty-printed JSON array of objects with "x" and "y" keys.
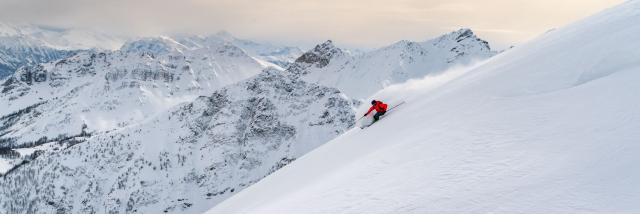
[
  {"x": 359, "y": 76},
  {"x": 547, "y": 127}
]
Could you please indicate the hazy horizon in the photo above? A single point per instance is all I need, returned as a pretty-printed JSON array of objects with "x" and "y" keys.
[{"x": 355, "y": 24}]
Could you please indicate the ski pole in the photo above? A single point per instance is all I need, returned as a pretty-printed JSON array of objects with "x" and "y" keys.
[{"x": 396, "y": 105}]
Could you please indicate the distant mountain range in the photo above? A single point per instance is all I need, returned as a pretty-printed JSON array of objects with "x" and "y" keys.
[{"x": 22, "y": 45}]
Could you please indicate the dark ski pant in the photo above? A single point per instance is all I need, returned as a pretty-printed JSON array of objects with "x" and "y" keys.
[{"x": 376, "y": 116}]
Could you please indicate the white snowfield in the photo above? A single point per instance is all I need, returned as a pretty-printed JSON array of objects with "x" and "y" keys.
[{"x": 552, "y": 126}]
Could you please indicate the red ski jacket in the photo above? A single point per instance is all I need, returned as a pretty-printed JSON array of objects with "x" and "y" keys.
[{"x": 379, "y": 107}]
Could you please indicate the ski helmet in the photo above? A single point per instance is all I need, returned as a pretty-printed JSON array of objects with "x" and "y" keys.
[{"x": 373, "y": 102}]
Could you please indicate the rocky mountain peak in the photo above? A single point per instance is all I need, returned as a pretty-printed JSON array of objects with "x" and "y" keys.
[
  {"x": 463, "y": 36},
  {"x": 217, "y": 145},
  {"x": 319, "y": 56},
  {"x": 359, "y": 76},
  {"x": 463, "y": 33}
]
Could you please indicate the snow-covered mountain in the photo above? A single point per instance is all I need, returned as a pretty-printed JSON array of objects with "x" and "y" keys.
[
  {"x": 16, "y": 51},
  {"x": 22, "y": 45},
  {"x": 63, "y": 38},
  {"x": 109, "y": 110},
  {"x": 550, "y": 126},
  {"x": 281, "y": 56},
  {"x": 359, "y": 76},
  {"x": 187, "y": 159},
  {"x": 99, "y": 91}
]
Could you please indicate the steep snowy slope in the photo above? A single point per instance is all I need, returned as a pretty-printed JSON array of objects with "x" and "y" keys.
[
  {"x": 547, "y": 127},
  {"x": 100, "y": 91},
  {"x": 359, "y": 76},
  {"x": 188, "y": 159}
]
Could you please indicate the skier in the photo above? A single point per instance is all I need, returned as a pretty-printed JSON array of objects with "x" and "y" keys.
[{"x": 380, "y": 108}]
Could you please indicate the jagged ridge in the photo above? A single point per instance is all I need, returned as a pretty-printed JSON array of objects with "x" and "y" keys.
[{"x": 188, "y": 159}]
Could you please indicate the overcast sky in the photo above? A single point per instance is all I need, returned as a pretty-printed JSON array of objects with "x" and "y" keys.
[{"x": 356, "y": 23}]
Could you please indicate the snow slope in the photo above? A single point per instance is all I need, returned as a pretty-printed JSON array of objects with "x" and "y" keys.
[{"x": 547, "y": 127}]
